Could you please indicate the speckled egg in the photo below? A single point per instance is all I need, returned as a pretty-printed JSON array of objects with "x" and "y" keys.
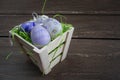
[
  {"x": 41, "y": 19},
  {"x": 53, "y": 26}
]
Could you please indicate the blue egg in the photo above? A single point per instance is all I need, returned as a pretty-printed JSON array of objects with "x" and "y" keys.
[
  {"x": 27, "y": 26},
  {"x": 40, "y": 36}
]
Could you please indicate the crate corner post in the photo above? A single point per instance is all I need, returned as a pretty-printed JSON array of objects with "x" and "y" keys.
[
  {"x": 43, "y": 54},
  {"x": 67, "y": 43}
]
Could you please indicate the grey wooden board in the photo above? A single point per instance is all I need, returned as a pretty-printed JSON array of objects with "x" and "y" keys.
[
  {"x": 90, "y": 60},
  {"x": 64, "y": 7},
  {"x": 86, "y": 26}
]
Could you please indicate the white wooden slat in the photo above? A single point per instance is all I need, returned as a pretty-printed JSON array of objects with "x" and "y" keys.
[
  {"x": 56, "y": 52},
  {"x": 56, "y": 61},
  {"x": 56, "y": 42},
  {"x": 67, "y": 44}
]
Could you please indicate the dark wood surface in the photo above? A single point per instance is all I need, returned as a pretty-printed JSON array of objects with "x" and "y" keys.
[
  {"x": 94, "y": 53},
  {"x": 92, "y": 60},
  {"x": 64, "y": 7},
  {"x": 86, "y": 26}
]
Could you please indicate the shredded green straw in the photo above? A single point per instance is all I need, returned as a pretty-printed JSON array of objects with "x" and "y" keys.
[
  {"x": 43, "y": 8},
  {"x": 60, "y": 16},
  {"x": 21, "y": 33},
  {"x": 9, "y": 54}
]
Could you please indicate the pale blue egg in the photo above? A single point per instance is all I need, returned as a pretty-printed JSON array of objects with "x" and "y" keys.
[
  {"x": 40, "y": 36},
  {"x": 53, "y": 26},
  {"x": 41, "y": 19}
]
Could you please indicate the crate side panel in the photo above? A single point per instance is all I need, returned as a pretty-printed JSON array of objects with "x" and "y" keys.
[
  {"x": 60, "y": 39},
  {"x": 23, "y": 42},
  {"x": 34, "y": 57},
  {"x": 56, "y": 61},
  {"x": 56, "y": 52}
]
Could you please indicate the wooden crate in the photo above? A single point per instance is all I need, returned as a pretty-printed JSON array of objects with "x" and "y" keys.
[{"x": 50, "y": 55}]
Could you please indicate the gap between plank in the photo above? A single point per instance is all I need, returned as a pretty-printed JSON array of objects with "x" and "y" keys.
[{"x": 80, "y": 38}]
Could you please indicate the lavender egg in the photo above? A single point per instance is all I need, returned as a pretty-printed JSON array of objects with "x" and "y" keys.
[
  {"x": 40, "y": 36},
  {"x": 53, "y": 26}
]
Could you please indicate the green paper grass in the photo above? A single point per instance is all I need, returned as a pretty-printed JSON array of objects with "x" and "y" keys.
[{"x": 21, "y": 33}]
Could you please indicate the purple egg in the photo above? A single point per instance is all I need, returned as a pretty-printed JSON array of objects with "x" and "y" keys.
[
  {"x": 27, "y": 26},
  {"x": 40, "y": 36}
]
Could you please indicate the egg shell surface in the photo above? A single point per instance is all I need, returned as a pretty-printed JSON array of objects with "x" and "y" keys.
[{"x": 40, "y": 36}]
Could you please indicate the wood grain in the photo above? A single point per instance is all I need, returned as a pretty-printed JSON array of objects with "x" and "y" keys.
[
  {"x": 91, "y": 59},
  {"x": 85, "y": 26},
  {"x": 64, "y": 7}
]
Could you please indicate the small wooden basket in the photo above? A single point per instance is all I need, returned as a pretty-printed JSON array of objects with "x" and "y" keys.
[{"x": 50, "y": 55}]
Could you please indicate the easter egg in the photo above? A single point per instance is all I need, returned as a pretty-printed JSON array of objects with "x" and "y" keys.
[
  {"x": 40, "y": 36},
  {"x": 27, "y": 26},
  {"x": 41, "y": 19},
  {"x": 53, "y": 26}
]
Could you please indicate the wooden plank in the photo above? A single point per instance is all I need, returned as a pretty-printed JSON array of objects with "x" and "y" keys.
[
  {"x": 85, "y": 26},
  {"x": 83, "y": 67},
  {"x": 80, "y": 47},
  {"x": 94, "y": 47},
  {"x": 64, "y": 7}
]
